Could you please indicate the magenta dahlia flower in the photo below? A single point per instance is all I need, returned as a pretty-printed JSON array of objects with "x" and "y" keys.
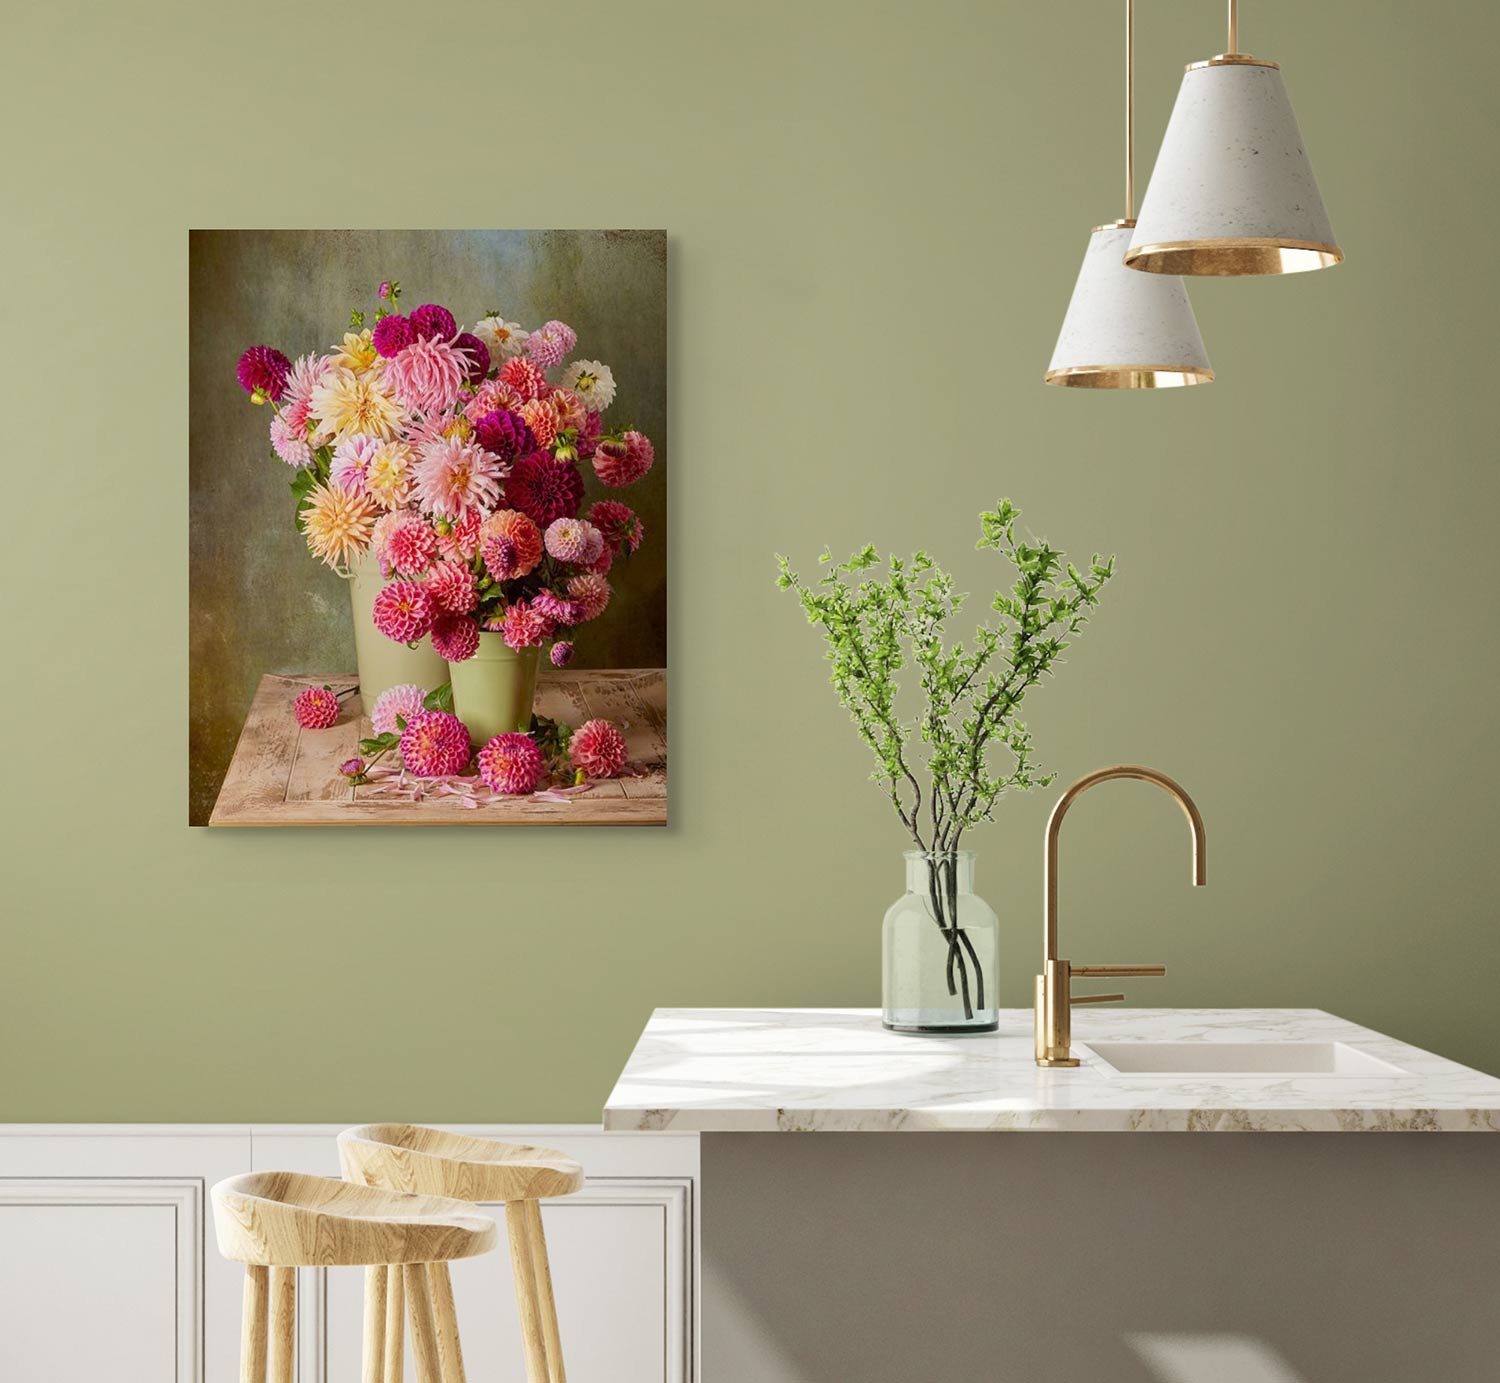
[
  {"x": 403, "y": 611},
  {"x": 500, "y": 558},
  {"x": 544, "y": 487},
  {"x": 575, "y": 541},
  {"x": 477, "y": 352},
  {"x": 435, "y": 744},
  {"x": 556, "y": 608},
  {"x": 525, "y": 627},
  {"x": 263, "y": 370},
  {"x": 451, "y": 586},
  {"x": 598, "y": 748},
  {"x": 622, "y": 463},
  {"x": 455, "y": 638},
  {"x": 434, "y": 323},
  {"x": 392, "y": 335},
  {"x": 403, "y": 702},
  {"x": 511, "y": 764},
  {"x": 619, "y": 523},
  {"x": 316, "y": 708},
  {"x": 550, "y": 343},
  {"x": 561, "y": 654},
  {"x": 504, "y": 434},
  {"x": 525, "y": 377}
]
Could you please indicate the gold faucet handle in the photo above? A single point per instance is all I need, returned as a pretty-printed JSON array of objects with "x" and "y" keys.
[
  {"x": 1116, "y": 971},
  {"x": 1076, "y": 999}
]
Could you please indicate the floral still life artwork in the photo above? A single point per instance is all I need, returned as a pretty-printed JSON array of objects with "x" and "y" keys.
[{"x": 484, "y": 476}]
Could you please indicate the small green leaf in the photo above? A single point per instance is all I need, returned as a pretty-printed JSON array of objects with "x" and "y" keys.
[{"x": 439, "y": 698}]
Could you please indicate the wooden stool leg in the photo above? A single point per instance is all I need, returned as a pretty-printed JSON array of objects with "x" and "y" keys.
[
  {"x": 441, "y": 1284},
  {"x": 283, "y": 1352},
  {"x": 545, "y": 1305},
  {"x": 253, "y": 1324},
  {"x": 372, "y": 1369},
  {"x": 395, "y": 1322},
  {"x": 526, "y": 1302},
  {"x": 424, "y": 1343}
]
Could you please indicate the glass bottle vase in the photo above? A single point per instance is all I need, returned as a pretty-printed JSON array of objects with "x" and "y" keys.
[{"x": 941, "y": 950}]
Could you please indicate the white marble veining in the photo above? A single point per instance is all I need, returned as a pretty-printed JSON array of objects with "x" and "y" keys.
[{"x": 795, "y": 1070}]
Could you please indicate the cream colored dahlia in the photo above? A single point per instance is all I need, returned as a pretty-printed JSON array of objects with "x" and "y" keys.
[
  {"x": 592, "y": 381},
  {"x": 503, "y": 339},
  {"x": 357, "y": 354},
  {"x": 348, "y": 403},
  {"x": 389, "y": 475},
  {"x": 338, "y": 524}
]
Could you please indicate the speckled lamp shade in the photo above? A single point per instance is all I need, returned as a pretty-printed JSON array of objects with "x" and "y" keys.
[
  {"x": 1233, "y": 190},
  {"x": 1125, "y": 330}
]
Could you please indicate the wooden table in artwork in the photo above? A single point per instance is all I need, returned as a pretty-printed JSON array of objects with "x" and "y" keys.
[{"x": 282, "y": 775}]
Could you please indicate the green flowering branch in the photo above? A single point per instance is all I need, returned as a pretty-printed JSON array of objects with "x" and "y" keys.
[{"x": 972, "y": 692}]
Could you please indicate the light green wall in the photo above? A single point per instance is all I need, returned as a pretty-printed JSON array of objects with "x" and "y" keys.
[{"x": 876, "y": 213}]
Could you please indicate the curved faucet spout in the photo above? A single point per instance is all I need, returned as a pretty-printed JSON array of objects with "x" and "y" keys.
[{"x": 1103, "y": 775}]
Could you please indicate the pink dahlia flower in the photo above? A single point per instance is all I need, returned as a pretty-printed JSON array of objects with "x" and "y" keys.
[
  {"x": 451, "y": 586},
  {"x": 306, "y": 375},
  {"x": 591, "y": 591},
  {"x": 619, "y": 523},
  {"x": 403, "y": 611},
  {"x": 289, "y": 443},
  {"x": 555, "y": 608},
  {"x": 544, "y": 487},
  {"x": 550, "y": 343},
  {"x": 575, "y": 541},
  {"x": 264, "y": 370},
  {"x": 622, "y": 463},
  {"x": 569, "y": 408},
  {"x": 351, "y": 462},
  {"x": 499, "y": 557},
  {"x": 458, "y": 539},
  {"x": 392, "y": 335},
  {"x": 454, "y": 476},
  {"x": 521, "y": 531},
  {"x": 598, "y": 748},
  {"x": 435, "y": 744},
  {"x": 525, "y": 627},
  {"x": 403, "y": 702},
  {"x": 525, "y": 377},
  {"x": 316, "y": 708},
  {"x": 455, "y": 638},
  {"x": 512, "y": 764},
  {"x": 428, "y": 376},
  {"x": 561, "y": 653},
  {"x": 406, "y": 543},
  {"x": 605, "y": 562},
  {"x": 493, "y": 396}
]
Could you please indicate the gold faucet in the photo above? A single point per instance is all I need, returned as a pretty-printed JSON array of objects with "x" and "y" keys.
[{"x": 1054, "y": 986}]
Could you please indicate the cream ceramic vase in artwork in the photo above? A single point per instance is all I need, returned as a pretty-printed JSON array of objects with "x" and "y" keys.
[
  {"x": 493, "y": 691},
  {"x": 383, "y": 663}
]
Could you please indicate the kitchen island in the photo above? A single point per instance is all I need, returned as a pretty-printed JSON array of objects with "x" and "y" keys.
[{"x": 903, "y": 1240}]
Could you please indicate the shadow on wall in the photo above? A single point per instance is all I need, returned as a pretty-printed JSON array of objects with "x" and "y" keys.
[{"x": 258, "y": 602}]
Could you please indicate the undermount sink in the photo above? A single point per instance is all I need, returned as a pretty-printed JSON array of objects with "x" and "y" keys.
[{"x": 1240, "y": 1059}]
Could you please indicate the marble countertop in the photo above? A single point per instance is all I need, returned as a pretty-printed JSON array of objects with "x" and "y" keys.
[{"x": 806, "y": 1070}]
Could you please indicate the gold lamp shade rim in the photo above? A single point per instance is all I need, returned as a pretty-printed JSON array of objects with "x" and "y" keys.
[
  {"x": 1129, "y": 376},
  {"x": 1233, "y": 256},
  {"x": 1232, "y": 60}
]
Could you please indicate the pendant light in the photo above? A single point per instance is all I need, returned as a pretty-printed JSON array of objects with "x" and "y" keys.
[
  {"x": 1125, "y": 330},
  {"x": 1233, "y": 190}
]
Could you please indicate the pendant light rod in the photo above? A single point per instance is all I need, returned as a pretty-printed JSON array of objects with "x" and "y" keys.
[
  {"x": 1130, "y": 109},
  {"x": 1234, "y": 26}
]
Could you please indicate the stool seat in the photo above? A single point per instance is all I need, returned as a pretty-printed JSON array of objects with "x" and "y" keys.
[
  {"x": 288, "y": 1219},
  {"x": 434, "y": 1162}
]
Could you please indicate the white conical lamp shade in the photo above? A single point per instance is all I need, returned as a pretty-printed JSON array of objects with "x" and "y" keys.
[
  {"x": 1233, "y": 190},
  {"x": 1125, "y": 330}
]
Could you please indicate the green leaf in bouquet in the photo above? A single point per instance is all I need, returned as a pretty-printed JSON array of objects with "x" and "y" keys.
[{"x": 439, "y": 698}]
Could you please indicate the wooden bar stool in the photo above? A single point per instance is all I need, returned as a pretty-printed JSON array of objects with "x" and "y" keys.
[
  {"x": 432, "y": 1162},
  {"x": 277, "y": 1222}
]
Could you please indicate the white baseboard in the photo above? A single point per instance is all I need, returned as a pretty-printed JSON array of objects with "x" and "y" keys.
[{"x": 108, "y": 1265}]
